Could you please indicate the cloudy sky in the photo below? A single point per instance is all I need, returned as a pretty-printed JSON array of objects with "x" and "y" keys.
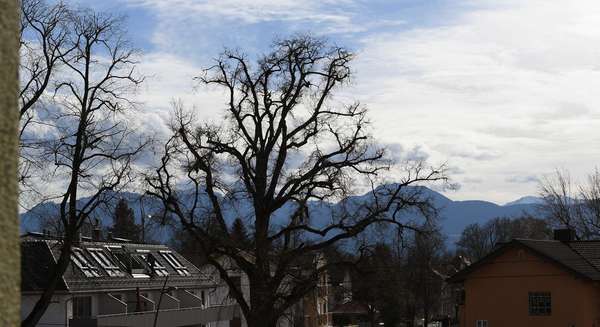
[{"x": 503, "y": 91}]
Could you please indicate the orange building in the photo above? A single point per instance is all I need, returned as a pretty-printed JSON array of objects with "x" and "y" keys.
[{"x": 533, "y": 283}]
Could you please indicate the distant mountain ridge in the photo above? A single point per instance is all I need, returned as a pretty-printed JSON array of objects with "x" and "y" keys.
[
  {"x": 526, "y": 200},
  {"x": 454, "y": 215}
]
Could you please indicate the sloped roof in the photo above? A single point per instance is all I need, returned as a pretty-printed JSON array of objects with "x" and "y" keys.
[
  {"x": 38, "y": 256},
  {"x": 581, "y": 258},
  {"x": 36, "y": 263}
]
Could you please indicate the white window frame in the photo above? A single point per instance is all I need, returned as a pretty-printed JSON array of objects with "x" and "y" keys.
[
  {"x": 481, "y": 323},
  {"x": 105, "y": 262},
  {"x": 78, "y": 257},
  {"x": 158, "y": 268},
  {"x": 175, "y": 263}
]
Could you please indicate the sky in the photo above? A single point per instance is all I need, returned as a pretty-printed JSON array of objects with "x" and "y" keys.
[{"x": 504, "y": 92}]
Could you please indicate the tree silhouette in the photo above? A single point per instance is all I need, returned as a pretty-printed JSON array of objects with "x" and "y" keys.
[
  {"x": 124, "y": 225},
  {"x": 239, "y": 234},
  {"x": 284, "y": 143}
]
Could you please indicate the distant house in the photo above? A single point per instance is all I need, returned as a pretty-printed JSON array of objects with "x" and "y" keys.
[
  {"x": 311, "y": 311},
  {"x": 345, "y": 310},
  {"x": 450, "y": 293},
  {"x": 534, "y": 283},
  {"x": 116, "y": 283}
]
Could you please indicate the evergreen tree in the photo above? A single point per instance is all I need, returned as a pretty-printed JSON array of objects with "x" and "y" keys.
[
  {"x": 124, "y": 225},
  {"x": 239, "y": 233}
]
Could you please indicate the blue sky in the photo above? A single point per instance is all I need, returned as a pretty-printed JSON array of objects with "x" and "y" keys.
[{"x": 503, "y": 91}]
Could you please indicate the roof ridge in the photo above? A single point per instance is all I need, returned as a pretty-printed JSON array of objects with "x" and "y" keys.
[{"x": 533, "y": 239}]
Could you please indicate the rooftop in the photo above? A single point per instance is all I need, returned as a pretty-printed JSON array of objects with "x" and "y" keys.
[
  {"x": 582, "y": 258},
  {"x": 106, "y": 265}
]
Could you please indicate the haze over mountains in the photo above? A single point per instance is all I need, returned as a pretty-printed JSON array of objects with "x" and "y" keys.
[{"x": 454, "y": 215}]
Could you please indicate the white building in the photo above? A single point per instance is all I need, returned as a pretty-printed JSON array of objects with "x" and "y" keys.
[{"x": 114, "y": 283}]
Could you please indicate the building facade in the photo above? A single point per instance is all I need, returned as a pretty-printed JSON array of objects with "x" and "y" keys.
[
  {"x": 533, "y": 283},
  {"x": 116, "y": 283}
]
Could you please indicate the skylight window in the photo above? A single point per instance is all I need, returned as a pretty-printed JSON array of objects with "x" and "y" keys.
[
  {"x": 84, "y": 264},
  {"x": 132, "y": 263},
  {"x": 106, "y": 263},
  {"x": 175, "y": 263},
  {"x": 154, "y": 264}
]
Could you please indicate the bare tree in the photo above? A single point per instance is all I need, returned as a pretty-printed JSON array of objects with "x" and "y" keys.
[
  {"x": 44, "y": 37},
  {"x": 573, "y": 206},
  {"x": 284, "y": 143},
  {"x": 476, "y": 240},
  {"x": 90, "y": 146}
]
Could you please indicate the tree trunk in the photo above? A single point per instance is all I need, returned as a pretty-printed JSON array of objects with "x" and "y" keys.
[
  {"x": 56, "y": 275},
  {"x": 262, "y": 318},
  {"x": 9, "y": 223},
  {"x": 372, "y": 317}
]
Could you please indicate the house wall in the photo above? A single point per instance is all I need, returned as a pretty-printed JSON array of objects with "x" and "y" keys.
[
  {"x": 59, "y": 308},
  {"x": 499, "y": 293}
]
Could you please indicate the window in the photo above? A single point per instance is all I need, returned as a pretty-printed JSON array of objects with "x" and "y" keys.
[
  {"x": 84, "y": 264},
  {"x": 154, "y": 264},
  {"x": 175, "y": 263},
  {"x": 540, "y": 304},
  {"x": 82, "y": 307},
  {"x": 482, "y": 323},
  {"x": 131, "y": 264},
  {"x": 105, "y": 262}
]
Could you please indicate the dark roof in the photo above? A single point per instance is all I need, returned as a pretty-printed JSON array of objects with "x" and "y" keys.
[
  {"x": 39, "y": 254},
  {"x": 36, "y": 263},
  {"x": 582, "y": 258}
]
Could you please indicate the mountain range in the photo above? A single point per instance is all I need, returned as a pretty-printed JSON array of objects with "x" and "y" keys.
[{"x": 454, "y": 215}]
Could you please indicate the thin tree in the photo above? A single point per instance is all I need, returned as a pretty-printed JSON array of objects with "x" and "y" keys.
[
  {"x": 423, "y": 256},
  {"x": 90, "y": 146},
  {"x": 284, "y": 143},
  {"x": 570, "y": 205},
  {"x": 476, "y": 240},
  {"x": 43, "y": 46},
  {"x": 377, "y": 283}
]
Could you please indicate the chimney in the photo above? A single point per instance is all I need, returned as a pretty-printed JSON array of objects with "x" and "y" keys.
[
  {"x": 97, "y": 235},
  {"x": 564, "y": 235}
]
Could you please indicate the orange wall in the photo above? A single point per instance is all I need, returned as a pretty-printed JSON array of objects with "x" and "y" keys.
[{"x": 498, "y": 292}]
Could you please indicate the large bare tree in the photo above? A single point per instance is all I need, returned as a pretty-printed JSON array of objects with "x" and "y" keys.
[
  {"x": 285, "y": 142},
  {"x": 89, "y": 150}
]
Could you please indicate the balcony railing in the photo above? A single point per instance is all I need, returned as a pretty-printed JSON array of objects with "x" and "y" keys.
[{"x": 171, "y": 317}]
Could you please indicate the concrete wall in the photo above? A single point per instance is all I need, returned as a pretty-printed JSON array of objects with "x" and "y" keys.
[
  {"x": 9, "y": 224},
  {"x": 112, "y": 304},
  {"x": 499, "y": 293},
  {"x": 54, "y": 316}
]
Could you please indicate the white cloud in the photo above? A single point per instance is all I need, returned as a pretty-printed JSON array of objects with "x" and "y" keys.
[
  {"x": 516, "y": 82},
  {"x": 491, "y": 87}
]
